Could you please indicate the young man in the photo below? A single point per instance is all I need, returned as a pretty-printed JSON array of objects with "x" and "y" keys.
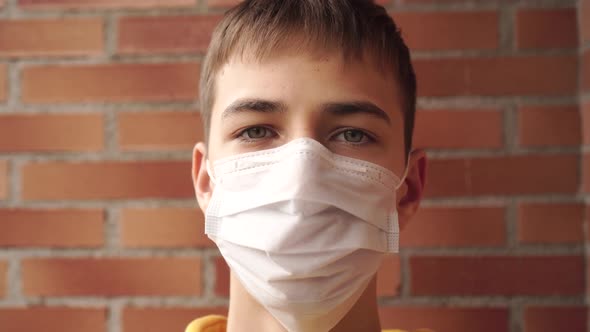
[{"x": 307, "y": 174}]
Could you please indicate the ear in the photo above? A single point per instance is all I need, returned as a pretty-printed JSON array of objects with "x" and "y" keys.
[
  {"x": 409, "y": 201},
  {"x": 201, "y": 180}
]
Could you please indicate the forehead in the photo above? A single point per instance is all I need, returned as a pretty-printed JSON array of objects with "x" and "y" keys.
[{"x": 305, "y": 79}]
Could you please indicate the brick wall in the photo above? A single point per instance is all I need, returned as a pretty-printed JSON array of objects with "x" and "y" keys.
[
  {"x": 98, "y": 226},
  {"x": 584, "y": 84}
]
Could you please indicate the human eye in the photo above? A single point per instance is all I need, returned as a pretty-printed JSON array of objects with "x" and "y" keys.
[
  {"x": 353, "y": 136},
  {"x": 255, "y": 133}
]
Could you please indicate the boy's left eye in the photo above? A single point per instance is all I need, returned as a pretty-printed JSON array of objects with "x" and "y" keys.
[
  {"x": 353, "y": 136},
  {"x": 255, "y": 133}
]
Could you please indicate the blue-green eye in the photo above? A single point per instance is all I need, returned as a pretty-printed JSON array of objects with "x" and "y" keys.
[
  {"x": 354, "y": 136},
  {"x": 254, "y": 133}
]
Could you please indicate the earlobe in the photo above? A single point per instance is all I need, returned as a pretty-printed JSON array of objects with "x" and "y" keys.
[
  {"x": 414, "y": 182},
  {"x": 201, "y": 180}
]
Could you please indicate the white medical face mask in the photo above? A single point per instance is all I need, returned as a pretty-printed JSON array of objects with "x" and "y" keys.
[{"x": 303, "y": 229}]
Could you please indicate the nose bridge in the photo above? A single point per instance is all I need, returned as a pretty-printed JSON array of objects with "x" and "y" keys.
[
  {"x": 305, "y": 123},
  {"x": 304, "y": 132}
]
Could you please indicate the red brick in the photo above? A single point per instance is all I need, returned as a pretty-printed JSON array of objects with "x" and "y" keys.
[
  {"x": 3, "y": 82},
  {"x": 585, "y": 71},
  {"x": 3, "y": 279},
  {"x": 51, "y": 228},
  {"x": 164, "y": 319},
  {"x": 549, "y": 126},
  {"x": 165, "y": 34},
  {"x": 455, "y": 227},
  {"x": 221, "y": 277},
  {"x": 159, "y": 130},
  {"x": 83, "y": 4},
  {"x": 3, "y": 179},
  {"x": 586, "y": 123},
  {"x": 585, "y": 20},
  {"x": 111, "y": 276},
  {"x": 63, "y": 319},
  {"x": 448, "y": 30},
  {"x": 550, "y": 319},
  {"x": 546, "y": 28},
  {"x": 163, "y": 228},
  {"x": 389, "y": 276},
  {"x": 551, "y": 223},
  {"x": 535, "y": 174},
  {"x": 49, "y": 37},
  {"x": 497, "y": 76},
  {"x": 497, "y": 275},
  {"x": 106, "y": 180},
  {"x": 455, "y": 129},
  {"x": 110, "y": 83},
  {"x": 51, "y": 132},
  {"x": 444, "y": 319},
  {"x": 586, "y": 173}
]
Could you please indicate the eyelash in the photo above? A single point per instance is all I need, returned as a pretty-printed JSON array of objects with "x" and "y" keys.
[
  {"x": 241, "y": 133},
  {"x": 369, "y": 136}
]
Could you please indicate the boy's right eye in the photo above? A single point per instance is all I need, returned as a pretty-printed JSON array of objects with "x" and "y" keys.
[{"x": 255, "y": 133}]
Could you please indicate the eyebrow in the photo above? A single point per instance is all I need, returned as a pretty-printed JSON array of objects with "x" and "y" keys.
[
  {"x": 253, "y": 105},
  {"x": 356, "y": 107},
  {"x": 334, "y": 108}
]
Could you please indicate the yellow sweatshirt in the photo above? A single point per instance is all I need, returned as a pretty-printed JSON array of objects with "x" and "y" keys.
[{"x": 216, "y": 323}]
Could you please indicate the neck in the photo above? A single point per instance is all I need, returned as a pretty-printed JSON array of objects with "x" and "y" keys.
[{"x": 246, "y": 314}]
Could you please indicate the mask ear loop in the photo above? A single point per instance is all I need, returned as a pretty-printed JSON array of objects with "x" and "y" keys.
[
  {"x": 393, "y": 240},
  {"x": 406, "y": 169},
  {"x": 210, "y": 172}
]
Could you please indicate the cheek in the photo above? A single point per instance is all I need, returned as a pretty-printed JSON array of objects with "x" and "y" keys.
[
  {"x": 216, "y": 137},
  {"x": 397, "y": 152},
  {"x": 389, "y": 154}
]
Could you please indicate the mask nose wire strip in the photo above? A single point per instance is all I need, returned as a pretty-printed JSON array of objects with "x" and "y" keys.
[{"x": 405, "y": 174}]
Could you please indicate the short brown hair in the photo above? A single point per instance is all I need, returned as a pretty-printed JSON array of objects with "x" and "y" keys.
[{"x": 260, "y": 28}]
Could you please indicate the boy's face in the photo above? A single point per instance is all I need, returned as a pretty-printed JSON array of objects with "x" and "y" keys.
[{"x": 349, "y": 107}]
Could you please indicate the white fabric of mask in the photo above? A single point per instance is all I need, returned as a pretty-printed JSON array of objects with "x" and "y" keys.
[{"x": 303, "y": 229}]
